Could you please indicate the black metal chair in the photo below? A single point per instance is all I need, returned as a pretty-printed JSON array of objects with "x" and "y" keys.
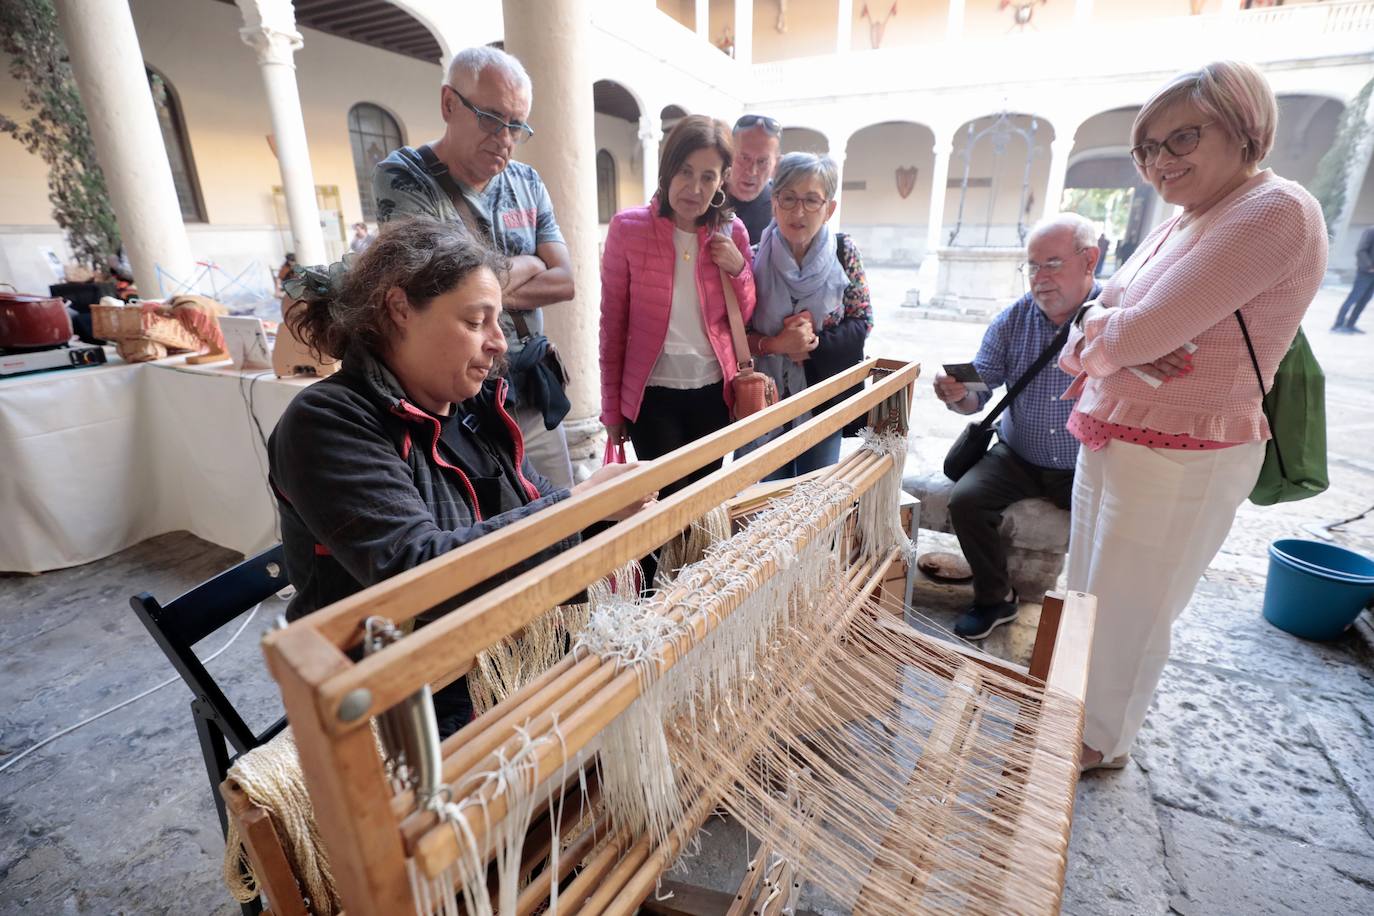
[{"x": 180, "y": 624}]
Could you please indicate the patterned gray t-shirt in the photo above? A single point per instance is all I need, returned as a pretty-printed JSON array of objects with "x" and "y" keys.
[{"x": 514, "y": 210}]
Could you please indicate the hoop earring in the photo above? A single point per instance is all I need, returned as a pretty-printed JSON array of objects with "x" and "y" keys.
[{"x": 717, "y": 204}]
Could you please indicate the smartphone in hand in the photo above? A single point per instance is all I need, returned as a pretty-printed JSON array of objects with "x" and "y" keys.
[{"x": 968, "y": 375}]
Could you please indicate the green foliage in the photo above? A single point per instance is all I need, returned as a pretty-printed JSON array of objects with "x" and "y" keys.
[
  {"x": 1333, "y": 171},
  {"x": 57, "y": 131},
  {"x": 1109, "y": 206}
]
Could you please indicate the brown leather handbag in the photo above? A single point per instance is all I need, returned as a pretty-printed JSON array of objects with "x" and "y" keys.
[{"x": 753, "y": 390}]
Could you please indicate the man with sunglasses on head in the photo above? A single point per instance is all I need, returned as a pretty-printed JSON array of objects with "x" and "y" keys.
[
  {"x": 467, "y": 176},
  {"x": 1035, "y": 455},
  {"x": 757, "y": 139}
]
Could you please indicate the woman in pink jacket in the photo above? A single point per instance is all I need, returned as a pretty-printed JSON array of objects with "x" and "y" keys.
[
  {"x": 1169, "y": 394},
  {"x": 666, "y": 354}
]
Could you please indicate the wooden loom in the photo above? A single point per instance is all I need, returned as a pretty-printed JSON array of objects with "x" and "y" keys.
[{"x": 376, "y": 838}]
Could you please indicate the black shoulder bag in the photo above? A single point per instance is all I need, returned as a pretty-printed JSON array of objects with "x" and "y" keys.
[{"x": 973, "y": 442}]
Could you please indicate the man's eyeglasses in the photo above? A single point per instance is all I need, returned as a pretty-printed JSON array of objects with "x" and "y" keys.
[
  {"x": 769, "y": 125},
  {"x": 1179, "y": 143},
  {"x": 1053, "y": 265},
  {"x": 788, "y": 200},
  {"x": 493, "y": 123}
]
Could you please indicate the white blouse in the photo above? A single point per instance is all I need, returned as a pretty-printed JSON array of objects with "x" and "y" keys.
[{"x": 687, "y": 360}]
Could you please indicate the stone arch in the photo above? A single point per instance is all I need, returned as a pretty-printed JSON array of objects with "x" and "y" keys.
[
  {"x": 618, "y": 111},
  {"x": 796, "y": 138},
  {"x": 880, "y": 161}
]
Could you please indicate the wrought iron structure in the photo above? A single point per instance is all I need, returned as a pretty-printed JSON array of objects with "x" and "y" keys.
[{"x": 1000, "y": 134}]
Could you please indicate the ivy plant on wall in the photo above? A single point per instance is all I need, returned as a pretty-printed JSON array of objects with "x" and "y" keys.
[
  {"x": 1332, "y": 180},
  {"x": 56, "y": 130}
]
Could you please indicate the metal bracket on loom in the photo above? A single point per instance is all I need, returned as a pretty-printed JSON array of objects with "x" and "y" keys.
[
  {"x": 408, "y": 731},
  {"x": 892, "y": 414}
]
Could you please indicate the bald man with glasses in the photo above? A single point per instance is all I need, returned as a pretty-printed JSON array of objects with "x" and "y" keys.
[
  {"x": 468, "y": 176},
  {"x": 1035, "y": 455}
]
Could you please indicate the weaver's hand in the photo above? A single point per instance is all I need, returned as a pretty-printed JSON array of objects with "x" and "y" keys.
[
  {"x": 607, "y": 473},
  {"x": 1179, "y": 362},
  {"x": 726, "y": 254}
]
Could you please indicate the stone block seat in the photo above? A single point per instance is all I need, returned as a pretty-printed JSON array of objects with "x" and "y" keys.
[{"x": 1035, "y": 531}]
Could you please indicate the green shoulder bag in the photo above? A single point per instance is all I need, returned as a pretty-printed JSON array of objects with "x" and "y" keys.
[{"x": 1295, "y": 405}]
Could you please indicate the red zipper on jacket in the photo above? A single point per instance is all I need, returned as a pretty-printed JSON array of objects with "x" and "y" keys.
[
  {"x": 406, "y": 410},
  {"x": 517, "y": 437}
]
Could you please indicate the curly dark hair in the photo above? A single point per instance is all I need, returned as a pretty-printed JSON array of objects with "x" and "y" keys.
[{"x": 421, "y": 257}]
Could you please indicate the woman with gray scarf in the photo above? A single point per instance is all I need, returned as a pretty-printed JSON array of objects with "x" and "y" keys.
[{"x": 813, "y": 313}]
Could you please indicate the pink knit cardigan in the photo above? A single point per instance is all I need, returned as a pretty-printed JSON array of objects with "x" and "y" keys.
[
  {"x": 637, "y": 297},
  {"x": 1261, "y": 249}
]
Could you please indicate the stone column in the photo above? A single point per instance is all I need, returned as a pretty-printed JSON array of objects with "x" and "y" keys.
[
  {"x": 744, "y": 31},
  {"x": 837, "y": 154},
  {"x": 954, "y": 29},
  {"x": 844, "y": 27},
  {"x": 269, "y": 28},
  {"x": 128, "y": 142},
  {"x": 1354, "y": 181},
  {"x": 1082, "y": 12},
  {"x": 703, "y": 19},
  {"x": 650, "y": 134},
  {"x": 939, "y": 182},
  {"x": 1060, "y": 148},
  {"x": 552, "y": 38}
]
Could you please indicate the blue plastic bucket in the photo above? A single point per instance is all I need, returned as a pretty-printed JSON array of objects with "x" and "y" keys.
[{"x": 1316, "y": 590}]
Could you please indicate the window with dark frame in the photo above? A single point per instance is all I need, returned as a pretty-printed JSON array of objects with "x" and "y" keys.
[
  {"x": 373, "y": 133},
  {"x": 606, "y": 189},
  {"x": 174, "y": 138}
]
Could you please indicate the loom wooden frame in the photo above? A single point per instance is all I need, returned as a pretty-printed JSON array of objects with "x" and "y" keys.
[{"x": 330, "y": 698}]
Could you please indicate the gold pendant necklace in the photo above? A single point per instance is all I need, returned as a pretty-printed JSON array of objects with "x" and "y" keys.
[{"x": 687, "y": 254}]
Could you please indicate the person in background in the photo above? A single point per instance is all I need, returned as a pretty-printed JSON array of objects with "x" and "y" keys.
[
  {"x": 361, "y": 238},
  {"x": 1102, "y": 246},
  {"x": 288, "y": 265},
  {"x": 667, "y": 358},
  {"x": 409, "y": 451},
  {"x": 1168, "y": 400},
  {"x": 1034, "y": 455},
  {"x": 813, "y": 313},
  {"x": 467, "y": 178},
  {"x": 1362, "y": 289},
  {"x": 750, "y": 189}
]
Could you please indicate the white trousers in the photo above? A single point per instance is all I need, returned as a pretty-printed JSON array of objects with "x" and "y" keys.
[
  {"x": 1146, "y": 524},
  {"x": 547, "y": 449}
]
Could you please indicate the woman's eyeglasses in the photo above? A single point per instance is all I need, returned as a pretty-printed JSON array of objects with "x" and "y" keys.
[
  {"x": 1179, "y": 143},
  {"x": 493, "y": 123},
  {"x": 770, "y": 125},
  {"x": 788, "y": 201}
]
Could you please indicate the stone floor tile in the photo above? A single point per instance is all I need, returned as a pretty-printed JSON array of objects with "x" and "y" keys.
[
  {"x": 1236, "y": 751},
  {"x": 1225, "y": 868},
  {"x": 1344, "y": 730},
  {"x": 1116, "y": 856}
]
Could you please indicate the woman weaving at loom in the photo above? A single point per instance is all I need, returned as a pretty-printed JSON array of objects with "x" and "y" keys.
[{"x": 408, "y": 452}]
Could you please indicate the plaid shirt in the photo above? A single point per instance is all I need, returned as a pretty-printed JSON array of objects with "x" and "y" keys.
[{"x": 1033, "y": 426}]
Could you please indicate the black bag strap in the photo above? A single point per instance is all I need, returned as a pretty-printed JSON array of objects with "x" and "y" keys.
[
  {"x": 1041, "y": 361},
  {"x": 440, "y": 173},
  {"x": 1264, "y": 408}
]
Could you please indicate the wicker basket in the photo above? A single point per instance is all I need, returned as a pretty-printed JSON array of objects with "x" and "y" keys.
[{"x": 132, "y": 322}]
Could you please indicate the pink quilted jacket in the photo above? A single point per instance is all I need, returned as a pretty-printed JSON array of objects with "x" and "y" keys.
[{"x": 637, "y": 296}]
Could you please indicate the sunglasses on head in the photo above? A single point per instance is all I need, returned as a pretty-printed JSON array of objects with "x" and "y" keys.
[{"x": 770, "y": 125}]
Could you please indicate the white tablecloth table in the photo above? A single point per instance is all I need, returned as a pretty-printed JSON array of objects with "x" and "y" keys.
[{"x": 95, "y": 460}]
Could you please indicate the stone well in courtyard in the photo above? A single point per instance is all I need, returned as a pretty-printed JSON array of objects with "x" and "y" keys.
[{"x": 977, "y": 281}]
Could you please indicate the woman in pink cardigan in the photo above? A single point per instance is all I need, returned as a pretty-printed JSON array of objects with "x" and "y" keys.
[
  {"x": 666, "y": 353},
  {"x": 1169, "y": 405}
]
